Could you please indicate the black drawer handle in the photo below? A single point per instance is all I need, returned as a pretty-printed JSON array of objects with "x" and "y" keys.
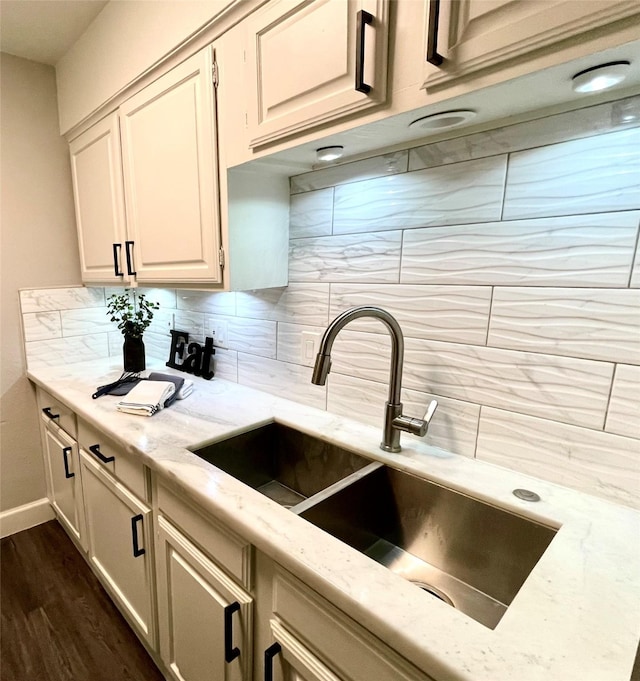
[
  {"x": 432, "y": 34},
  {"x": 137, "y": 551},
  {"x": 269, "y": 654},
  {"x": 67, "y": 474},
  {"x": 95, "y": 449},
  {"x": 363, "y": 18},
  {"x": 128, "y": 245},
  {"x": 116, "y": 260},
  {"x": 47, "y": 411},
  {"x": 230, "y": 652}
]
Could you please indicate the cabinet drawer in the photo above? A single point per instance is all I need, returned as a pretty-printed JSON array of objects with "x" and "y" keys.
[
  {"x": 126, "y": 468},
  {"x": 228, "y": 550},
  {"x": 354, "y": 652},
  {"x": 57, "y": 412}
]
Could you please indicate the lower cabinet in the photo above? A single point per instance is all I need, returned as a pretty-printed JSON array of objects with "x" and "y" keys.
[
  {"x": 119, "y": 545},
  {"x": 205, "y": 618}
]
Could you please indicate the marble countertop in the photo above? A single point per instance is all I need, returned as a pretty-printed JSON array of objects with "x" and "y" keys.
[{"x": 577, "y": 616}]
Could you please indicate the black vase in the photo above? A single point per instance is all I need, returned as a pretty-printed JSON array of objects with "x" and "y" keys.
[{"x": 133, "y": 353}]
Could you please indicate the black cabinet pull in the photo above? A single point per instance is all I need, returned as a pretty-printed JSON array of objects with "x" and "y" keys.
[
  {"x": 137, "y": 551},
  {"x": 67, "y": 474},
  {"x": 363, "y": 18},
  {"x": 230, "y": 652},
  {"x": 128, "y": 245},
  {"x": 95, "y": 449},
  {"x": 47, "y": 411},
  {"x": 116, "y": 260},
  {"x": 432, "y": 34},
  {"x": 269, "y": 654}
]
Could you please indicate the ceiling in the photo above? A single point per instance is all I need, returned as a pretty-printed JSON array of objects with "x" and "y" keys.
[{"x": 43, "y": 30}]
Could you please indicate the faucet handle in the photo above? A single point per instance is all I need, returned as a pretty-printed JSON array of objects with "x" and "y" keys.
[
  {"x": 415, "y": 426},
  {"x": 431, "y": 410}
]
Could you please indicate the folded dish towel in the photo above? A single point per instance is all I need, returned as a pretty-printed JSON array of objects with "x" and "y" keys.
[
  {"x": 147, "y": 397},
  {"x": 186, "y": 389}
]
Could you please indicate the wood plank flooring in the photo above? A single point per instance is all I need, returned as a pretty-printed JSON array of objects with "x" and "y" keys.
[{"x": 57, "y": 622}]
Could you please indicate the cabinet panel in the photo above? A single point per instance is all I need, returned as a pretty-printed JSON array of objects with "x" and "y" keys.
[
  {"x": 171, "y": 176},
  {"x": 96, "y": 170},
  {"x": 57, "y": 412}
]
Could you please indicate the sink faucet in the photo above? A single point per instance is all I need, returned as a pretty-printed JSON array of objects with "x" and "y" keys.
[{"x": 394, "y": 420}]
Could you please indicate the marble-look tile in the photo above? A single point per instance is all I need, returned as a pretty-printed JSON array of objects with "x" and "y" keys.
[
  {"x": 559, "y": 388},
  {"x": 280, "y": 378},
  {"x": 456, "y": 194},
  {"x": 589, "y": 250},
  {"x": 253, "y": 336},
  {"x": 290, "y": 343},
  {"x": 115, "y": 342},
  {"x": 623, "y": 415},
  {"x": 63, "y": 351},
  {"x": 225, "y": 364},
  {"x": 43, "y": 299},
  {"x": 192, "y": 323},
  {"x": 157, "y": 345},
  {"x": 163, "y": 321},
  {"x": 635, "y": 273},
  {"x": 204, "y": 301},
  {"x": 165, "y": 297},
  {"x": 454, "y": 313},
  {"x": 453, "y": 427},
  {"x": 298, "y": 303},
  {"x": 90, "y": 320},
  {"x": 378, "y": 166},
  {"x": 311, "y": 214},
  {"x": 562, "y": 127},
  {"x": 599, "y": 324},
  {"x": 41, "y": 325},
  {"x": 582, "y": 176},
  {"x": 367, "y": 258},
  {"x": 589, "y": 460}
]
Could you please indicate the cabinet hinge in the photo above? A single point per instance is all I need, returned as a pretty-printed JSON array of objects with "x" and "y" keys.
[
  {"x": 215, "y": 74},
  {"x": 221, "y": 257}
]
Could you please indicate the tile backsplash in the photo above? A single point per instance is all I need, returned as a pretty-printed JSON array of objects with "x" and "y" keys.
[{"x": 510, "y": 260}]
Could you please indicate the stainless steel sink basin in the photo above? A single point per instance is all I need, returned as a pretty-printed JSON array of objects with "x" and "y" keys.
[
  {"x": 284, "y": 464},
  {"x": 470, "y": 554}
]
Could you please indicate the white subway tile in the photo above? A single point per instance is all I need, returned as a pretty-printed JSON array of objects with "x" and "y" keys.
[
  {"x": 90, "y": 320},
  {"x": 581, "y": 176},
  {"x": 290, "y": 343},
  {"x": 589, "y": 250},
  {"x": 40, "y": 300},
  {"x": 311, "y": 214},
  {"x": 623, "y": 415},
  {"x": 254, "y": 336},
  {"x": 455, "y": 194},
  {"x": 298, "y": 303},
  {"x": 204, "y": 301},
  {"x": 165, "y": 297},
  {"x": 60, "y": 351},
  {"x": 157, "y": 345},
  {"x": 41, "y": 325},
  {"x": 589, "y": 460},
  {"x": 191, "y": 322},
  {"x": 225, "y": 364},
  {"x": 599, "y": 324},
  {"x": 635, "y": 274},
  {"x": 162, "y": 321},
  {"x": 354, "y": 257},
  {"x": 454, "y": 313}
]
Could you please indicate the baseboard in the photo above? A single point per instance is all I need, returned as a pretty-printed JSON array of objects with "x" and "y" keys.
[{"x": 23, "y": 517}]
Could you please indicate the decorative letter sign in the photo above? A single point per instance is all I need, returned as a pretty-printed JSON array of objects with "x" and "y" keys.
[{"x": 198, "y": 358}]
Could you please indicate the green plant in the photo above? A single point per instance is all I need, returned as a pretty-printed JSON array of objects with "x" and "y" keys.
[{"x": 132, "y": 311}]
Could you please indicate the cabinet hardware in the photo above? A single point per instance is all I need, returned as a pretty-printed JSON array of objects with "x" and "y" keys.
[
  {"x": 128, "y": 245},
  {"x": 221, "y": 257},
  {"x": 67, "y": 473},
  {"x": 432, "y": 34},
  {"x": 230, "y": 652},
  {"x": 137, "y": 551},
  {"x": 269, "y": 654},
  {"x": 95, "y": 449},
  {"x": 363, "y": 18},
  {"x": 47, "y": 411},
  {"x": 215, "y": 74},
  {"x": 116, "y": 260}
]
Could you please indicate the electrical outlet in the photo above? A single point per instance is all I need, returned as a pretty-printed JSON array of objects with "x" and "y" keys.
[
  {"x": 309, "y": 347},
  {"x": 220, "y": 334}
]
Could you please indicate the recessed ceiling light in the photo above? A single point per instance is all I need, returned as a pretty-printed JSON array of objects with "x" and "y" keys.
[
  {"x": 329, "y": 153},
  {"x": 600, "y": 77},
  {"x": 441, "y": 121}
]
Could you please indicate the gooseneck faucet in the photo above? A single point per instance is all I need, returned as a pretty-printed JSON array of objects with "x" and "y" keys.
[{"x": 394, "y": 420}]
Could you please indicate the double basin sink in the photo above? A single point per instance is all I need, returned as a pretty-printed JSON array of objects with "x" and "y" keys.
[{"x": 468, "y": 553}]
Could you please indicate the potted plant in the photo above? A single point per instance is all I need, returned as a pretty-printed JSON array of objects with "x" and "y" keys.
[{"x": 133, "y": 313}]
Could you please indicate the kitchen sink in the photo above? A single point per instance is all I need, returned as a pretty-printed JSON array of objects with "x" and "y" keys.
[
  {"x": 285, "y": 464},
  {"x": 463, "y": 551}
]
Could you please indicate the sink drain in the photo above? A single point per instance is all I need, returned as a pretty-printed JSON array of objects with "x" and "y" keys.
[{"x": 430, "y": 589}]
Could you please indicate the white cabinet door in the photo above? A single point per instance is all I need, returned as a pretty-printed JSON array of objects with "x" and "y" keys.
[
  {"x": 477, "y": 35},
  {"x": 205, "y": 618},
  {"x": 304, "y": 63},
  {"x": 65, "y": 482},
  {"x": 171, "y": 176},
  {"x": 120, "y": 546},
  {"x": 96, "y": 170}
]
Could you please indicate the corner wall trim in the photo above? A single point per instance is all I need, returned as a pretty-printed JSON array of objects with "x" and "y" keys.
[{"x": 26, "y": 516}]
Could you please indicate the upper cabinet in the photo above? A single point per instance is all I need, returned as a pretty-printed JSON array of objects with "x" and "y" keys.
[
  {"x": 468, "y": 37},
  {"x": 313, "y": 61}
]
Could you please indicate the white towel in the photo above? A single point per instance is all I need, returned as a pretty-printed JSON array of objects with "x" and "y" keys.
[
  {"x": 147, "y": 397},
  {"x": 186, "y": 390}
]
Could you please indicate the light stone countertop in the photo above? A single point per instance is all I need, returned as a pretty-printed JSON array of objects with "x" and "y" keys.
[{"x": 577, "y": 616}]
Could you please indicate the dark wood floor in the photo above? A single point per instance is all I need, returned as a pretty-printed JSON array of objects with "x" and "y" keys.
[{"x": 58, "y": 624}]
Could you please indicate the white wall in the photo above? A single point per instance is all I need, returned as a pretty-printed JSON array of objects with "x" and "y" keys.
[{"x": 38, "y": 248}]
